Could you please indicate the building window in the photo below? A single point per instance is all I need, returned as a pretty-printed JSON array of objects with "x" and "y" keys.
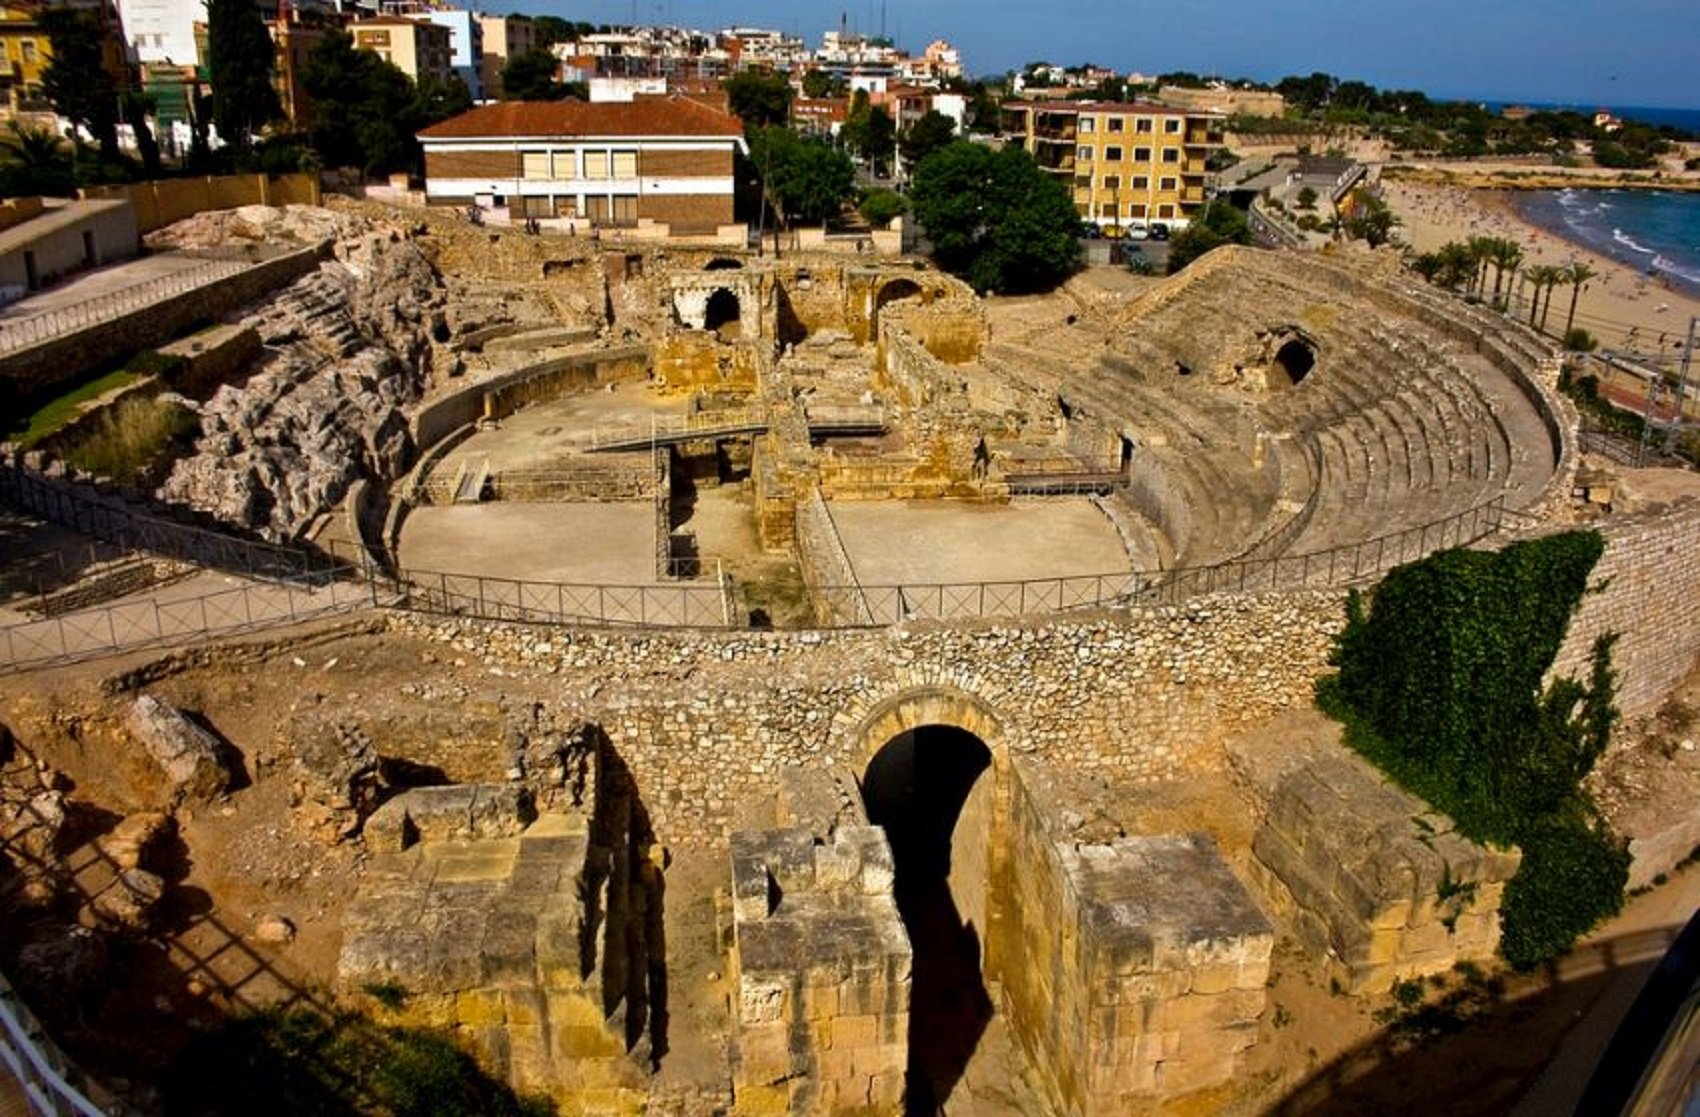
[
  {"x": 1083, "y": 182},
  {"x": 566, "y": 164},
  {"x": 1136, "y": 209},
  {"x": 595, "y": 165},
  {"x": 1172, "y": 125},
  {"x": 1113, "y": 154},
  {"x": 1166, "y": 184},
  {"x": 1108, "y": 209},
  {"x": 1142, "y": 155},
  {"x": 28, "y": 47},
  {"x": 1083, "y": 153},
  {"x": 1139, "y": 182},
  {"x": 1086, "y": 124},
  {"x": 1112, "y": 182},
  {"x": 1117, "y": 123},
  {"x": 1165, "y": 210},
  {"x": 1171, "y": 155},
  {"x": 625, "y": 164},
  {"x": 534, "y": 164},
  {"x": 1143, "y": 124}
]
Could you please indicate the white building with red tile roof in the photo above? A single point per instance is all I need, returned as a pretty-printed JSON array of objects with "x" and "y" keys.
[{"x": 665, "y": 159}]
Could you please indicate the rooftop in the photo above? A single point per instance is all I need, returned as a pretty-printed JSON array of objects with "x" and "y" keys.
[
  {"x": 669, "y": 116},
  {"x": 1143, "y": 108}
]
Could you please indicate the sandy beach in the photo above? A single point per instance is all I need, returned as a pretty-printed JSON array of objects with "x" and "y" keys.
[{"x": 1621, "y": 306}]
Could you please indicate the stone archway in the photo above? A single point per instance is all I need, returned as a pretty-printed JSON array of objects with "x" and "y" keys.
[
  {"x": 723, "y": 314},
  {"x": 1291, "y": 363},
  {"x": 929, "y": 778},
  {"x": 890, "y": 292}
]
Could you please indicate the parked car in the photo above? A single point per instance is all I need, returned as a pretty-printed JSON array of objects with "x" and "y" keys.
[
  {"x": 1159, "y": 231},
  {"x": 1089, "y": 230}
]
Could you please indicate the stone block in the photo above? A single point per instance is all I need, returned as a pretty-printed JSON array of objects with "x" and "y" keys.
[
  {"x": 480, "y": 1008},
  {"x": 855, "y": 1031},
  {"x": 760, "y": 1100},
  {"x": 1206, "y": 1013},
  {"x": 192, "y": 758}
]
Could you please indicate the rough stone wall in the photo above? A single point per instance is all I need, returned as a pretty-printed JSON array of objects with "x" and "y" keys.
[
  {"x": 542, "y": 381},
  {"x": 952, "y": 330},
  {"x": 1130, "y": 969},
  {"x": 711, "y": 718},
  {"x": 821, "y": 965},
  {"x": 1648, "y": 592},
  {"x": 698, "y": 361},
  {"x": 1375, "y": 882}
]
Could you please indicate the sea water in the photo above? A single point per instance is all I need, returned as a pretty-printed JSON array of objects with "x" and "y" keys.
[{"x": 1656, "y": 232}]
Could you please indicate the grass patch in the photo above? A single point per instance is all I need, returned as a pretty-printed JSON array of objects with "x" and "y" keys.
[
  {"x": 52, "y": 416},
  {"x": 131, "y": 438},
  {"x": 300, "y": 1062}
]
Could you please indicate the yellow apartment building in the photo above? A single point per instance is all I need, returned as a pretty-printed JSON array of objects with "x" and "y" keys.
[
  {"x": 24, "y": 43},
  {"x": 1126, "y": 165},
  {"x": 418, "y": 48}
]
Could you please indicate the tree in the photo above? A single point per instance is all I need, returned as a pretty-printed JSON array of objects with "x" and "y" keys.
[
  {"x": 806, "y": 178},
  {"x": 34, "y": 161},
  {"x": 995, "y": 218},
  {"x": 531, "y": 77},
  {"x": 439, "y": 100},
  {"x": 1506, "y": 254},
  {"x": 869, "y": 131},
  {"x": 1576, "y": 274},
  {"x": 1371, "y": 220},
  {"x": 925, "y": 136},
  {"x": 1219, "y": 224},
  {"x": 76, "y": 79},
  {"x": 137, "y": 106},
  {"x": 1307, "y": 198},
  {"x": 1542, "y": 277},
  {"x": 879, "y": 206},
  {"x": 239, "y": 56},
  {"x": 819, "y": 83},
  {"x": 365, "y": 110},
  {"x": 760, "y": 100}
]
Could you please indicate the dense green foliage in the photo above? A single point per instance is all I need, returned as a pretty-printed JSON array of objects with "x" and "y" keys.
[
  {"x": 925, "y": 136},
  {"x": 869, "y": 131},
  {"x": 35, "y": 161},
  {"x": 808, "y": 179},
  {"x": 1440, "y": 685},
  {"x": 240, "y": 58},
  {"x": 294, "y": 1061},
  {"x": 760, "y": 100},
  {"x": 76, "y": 79},
  {"x": 366, "y": 111},
  {"x": 879, "y": 206},
  {"x": 531, "y": 77},
  {"x": 1371, "y": 219},
  {"x": 1219, "y": 224},
  {"x": 995, "y": 218}
]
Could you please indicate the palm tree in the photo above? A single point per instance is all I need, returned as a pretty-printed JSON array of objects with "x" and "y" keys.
[
  {"x": 37, "y": 161},
  {"x": 1576, "y": 274},
  {"x": 1543, "y": 276},
  {"x": 1507, "y": 253},
  {"x": 1481, "y": 251}
]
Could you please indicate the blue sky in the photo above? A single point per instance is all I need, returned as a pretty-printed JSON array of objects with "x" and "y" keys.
[{"x": 1622, "y": 52}]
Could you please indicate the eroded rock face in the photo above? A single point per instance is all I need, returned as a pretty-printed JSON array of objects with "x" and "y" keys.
[
  {"x": 348, "y": 348},
  {"x": 192, "y": 758}
]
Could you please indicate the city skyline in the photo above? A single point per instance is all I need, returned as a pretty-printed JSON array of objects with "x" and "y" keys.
[{"x": 1633, "y": 53}]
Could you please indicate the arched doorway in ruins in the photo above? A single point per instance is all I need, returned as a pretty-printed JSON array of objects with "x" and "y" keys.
[
  {"x": 930, "y": 783},
  {"x": 890, "y": 293},
  {"x": 723, "y": 314}
]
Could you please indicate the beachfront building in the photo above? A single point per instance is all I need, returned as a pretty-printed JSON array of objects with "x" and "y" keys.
[
  {"x": 665, "y": 159},
  {"x": 418, "y": 48},
  {"x": 1125, "y": 164}
]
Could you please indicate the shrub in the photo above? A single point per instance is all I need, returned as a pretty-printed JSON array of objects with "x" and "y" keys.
[
  {"x": 131, "y": 438},
  {"x": 1440, "y": 684},
  {"x": 1579, "y": 340},
  {"x": 880, "y": 206}
]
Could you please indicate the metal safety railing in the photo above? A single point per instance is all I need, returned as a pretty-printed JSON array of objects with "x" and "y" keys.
[
  {"x": 22, "y": 332},
  {"x": 33, "y": 1062}
]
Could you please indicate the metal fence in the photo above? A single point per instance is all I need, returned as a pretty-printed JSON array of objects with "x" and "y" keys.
[
  {"x": 87, "y": 512},
  {"x": 20, "y": 333},
  {"x": 872, "y": 606},
  {"x": 701, "y": 604},
  {"x": 159, "y": 620}
]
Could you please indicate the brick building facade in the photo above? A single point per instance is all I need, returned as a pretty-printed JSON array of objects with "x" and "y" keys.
[{"x": 666, "y": 160}]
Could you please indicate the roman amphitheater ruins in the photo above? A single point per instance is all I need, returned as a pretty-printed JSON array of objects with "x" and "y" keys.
[{"x": 707, "y": 682}]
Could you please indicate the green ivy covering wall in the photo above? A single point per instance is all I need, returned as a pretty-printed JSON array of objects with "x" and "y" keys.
[{"x": 1440, "y": 686}]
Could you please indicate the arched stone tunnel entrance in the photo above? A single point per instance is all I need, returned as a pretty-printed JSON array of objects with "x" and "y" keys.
[
  {"x": 930, "y": 787},
  {"x": 724, "y": 315}
]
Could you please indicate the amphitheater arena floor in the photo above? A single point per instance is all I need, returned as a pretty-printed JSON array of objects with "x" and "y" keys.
[
  {"x": 929, "y": 541},
  {"x": 592, "y": 544}
]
